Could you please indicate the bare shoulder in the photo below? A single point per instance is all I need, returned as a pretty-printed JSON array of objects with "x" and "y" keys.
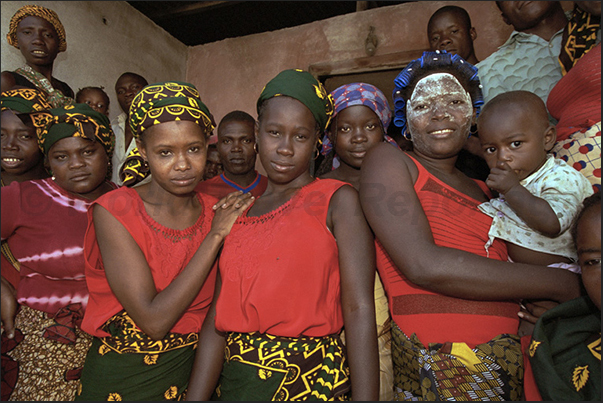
[{"x": 7, "y": 81}]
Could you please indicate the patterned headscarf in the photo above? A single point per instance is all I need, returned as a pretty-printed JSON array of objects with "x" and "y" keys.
[
  {"x": 160, "y": 103},
  {"x": 36, "y": 11},
  {"x": 24, "y": 100},
  {"x": 167, "y": 102},
  {"x": 78, "y": 120},
  {"x": 301, "y": 85},
  {"x": 433, "y": 60},
  {"x": 360, "y": 94}
]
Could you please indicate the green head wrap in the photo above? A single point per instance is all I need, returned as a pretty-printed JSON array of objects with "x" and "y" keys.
[
  {"x": 301, "y": 85},
  {"x": 167, "y": 102},
  {"x": 24, "y": 100},
  {"x": 77, "y": 120}
]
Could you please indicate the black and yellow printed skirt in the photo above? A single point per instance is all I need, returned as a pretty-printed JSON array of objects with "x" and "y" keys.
[
  {"x": 129, "y": 365},
  {"x": 453, "y": 371},
  {"x": 264, "y": 367}
]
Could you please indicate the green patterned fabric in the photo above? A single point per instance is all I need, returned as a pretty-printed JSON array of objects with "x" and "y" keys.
[{"x": 565, "y": 352}]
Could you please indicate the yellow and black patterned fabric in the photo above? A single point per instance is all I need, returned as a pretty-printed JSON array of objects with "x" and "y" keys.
[
  {"x": 491, "y": 371},
  {"x": 36, "y": 11},
  {"x": 78, "y": 120},
  {"x": 265, "y": 367},
  {"x": 579, "y": 36},
  {"x": 24, "y": 100}
]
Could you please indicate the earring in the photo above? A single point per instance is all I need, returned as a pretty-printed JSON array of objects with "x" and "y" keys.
[
  {"x": 406, "y": 135},
  {"x": 317, "y": 153},
  {"x": 255, "y": 148}
]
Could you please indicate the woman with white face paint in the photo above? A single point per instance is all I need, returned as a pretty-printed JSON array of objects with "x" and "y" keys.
[{"x": 454, "y": 304}]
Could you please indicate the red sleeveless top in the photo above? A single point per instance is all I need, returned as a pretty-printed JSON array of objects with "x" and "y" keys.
[
  {"x": 457, "y": 223},
  {"x": 280, "y": 271},
  {"x": 166, "y": 250}
]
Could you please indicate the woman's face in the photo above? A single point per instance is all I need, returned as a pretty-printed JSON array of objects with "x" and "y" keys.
[
  {"x": 357, "y": 129},
  {"x": 286, "y": 139},
  {"x": 38, "y": 41},
  {"x": 20, "y": 151},
  {"x": 176, "y": 154},
  {"x": 439, "y": 115},
  {"x": 78, "y": 165}
]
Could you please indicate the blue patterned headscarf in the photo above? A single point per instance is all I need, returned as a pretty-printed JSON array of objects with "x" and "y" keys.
[
  {"x": 433, "y": 61},
  {"x": 360, "y": 94}
]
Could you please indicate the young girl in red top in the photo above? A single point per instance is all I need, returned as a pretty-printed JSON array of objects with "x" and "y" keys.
[
  {"x": 149, "y": 255},
  {"x": 296, "y": 268}
]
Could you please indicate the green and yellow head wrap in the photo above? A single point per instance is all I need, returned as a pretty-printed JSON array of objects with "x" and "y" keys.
[
  {"x": 78, "y": 120},
  {"x": 36, "y": 11},
  {"x": 24, "y": 100},
  {"x": 301, "y": 85},
  {"x": 167, "y": 102}
]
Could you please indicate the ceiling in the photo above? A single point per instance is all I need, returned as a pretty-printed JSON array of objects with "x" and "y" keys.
[{"x": 198, "y": 22}]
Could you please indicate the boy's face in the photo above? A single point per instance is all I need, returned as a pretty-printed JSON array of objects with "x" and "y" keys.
[
  {"x": 213, "y": 165},
  {"x": 235, "y": 146},
  {"x": 126, "y": 89},
  {"x": 96, "y": 99},
  {"x": 448, "y": 32},
  {"x": 509, "y": 133},
  {"x": 588, "y": 243}
]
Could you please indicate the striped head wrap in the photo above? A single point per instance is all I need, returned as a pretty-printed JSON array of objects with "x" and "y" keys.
[
  {"x": 159, "y": 103},
  {"x": 440, "y": 59},
  {"x": 36, "y": 11},
  {"x": 360, "y": 94},
  {"x": 166, "y": 102},
  {"x": 78, "y": 120},
  {"x": 24, "y": 100},
  {"x": 301, "y": 85}
]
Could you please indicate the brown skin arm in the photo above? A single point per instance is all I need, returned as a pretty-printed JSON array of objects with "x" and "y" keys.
[
  {"x": 9, "y": 308},
  {"x": 534, "y": 211},
  {"x": 395, "y": 214},
  {"x": 7, "y": 81},
  {"x": 357, "y": 268},
  {"x": 209, "y": 357},
  {"x": 157, "y": 312}
]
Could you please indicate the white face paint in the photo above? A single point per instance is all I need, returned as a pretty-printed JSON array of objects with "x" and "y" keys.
[{"x": 439, "y": 96}]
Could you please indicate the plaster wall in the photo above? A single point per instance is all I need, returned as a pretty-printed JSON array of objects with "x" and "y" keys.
[
  {"x": 104, "y": 40},
  {"x": 231, "y": 73}
]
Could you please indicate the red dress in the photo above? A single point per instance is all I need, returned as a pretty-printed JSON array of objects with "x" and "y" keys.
[
  {"x": 219, "y": 186},
  {"x": 166, "y": 250},
  {"x": 455, "y": 222},
  {"x": 280, "y": 271}
]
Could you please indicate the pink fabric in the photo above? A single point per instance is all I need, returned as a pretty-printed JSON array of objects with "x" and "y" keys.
[
  {"x": 272, "y": 265},
  {"x": 166, "y": 250},
  {"x": 44, "y": 227}
]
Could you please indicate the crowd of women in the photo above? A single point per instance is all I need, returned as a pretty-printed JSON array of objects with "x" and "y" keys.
[{"x": 387, "y": 275}]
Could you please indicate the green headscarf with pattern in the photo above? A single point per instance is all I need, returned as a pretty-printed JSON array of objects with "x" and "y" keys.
[
  {"x": 24, "y": 100},
  {"x": 301, "y": 85}
]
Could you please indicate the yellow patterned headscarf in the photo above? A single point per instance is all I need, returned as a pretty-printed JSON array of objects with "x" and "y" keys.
[
  {"x": 24, "y": 100},
  {"x": 78, "y": 120},
  {"x": 166, "y": 102},
  {"x": 36, "y": 11}
]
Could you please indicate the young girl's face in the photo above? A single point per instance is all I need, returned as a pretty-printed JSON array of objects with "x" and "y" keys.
[
  {"x": 20, "y": 151},
  {"x": 96, "y": 99},
  {"x": 78, "y": 165},
  {"x": 176, "y": 154},
  {"x": 588, "y": 244},
  {"x": 511, "y": 134},
  {"x": 439, "y": 115},
  {"x": 357, "y": 129},
  {"x": 286, "y": 139}
]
